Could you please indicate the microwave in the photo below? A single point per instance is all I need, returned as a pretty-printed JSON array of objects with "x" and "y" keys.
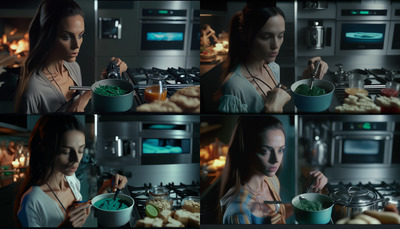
[
  {"x": 147, "y": 140},
  {"x": 362, "y": 37},
  {"x": 362, "y": 143},
  {"x": 363, "y": 27}
]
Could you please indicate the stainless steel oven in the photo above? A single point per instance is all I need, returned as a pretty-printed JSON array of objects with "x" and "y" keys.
[
  {"x": 363, "y": 28},
  {"x": 147, "y": 139},
  {"x": 163, "y": 27},
  {"x": 362, "y": 143},
  {"x": 394, "y": 36}
]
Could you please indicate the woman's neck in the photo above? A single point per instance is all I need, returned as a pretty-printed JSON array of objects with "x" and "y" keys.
[
  {"x": 54, "y": 67},
  {"x": 255, "y": 66},
  {"x": 56, "y": 181},
  {"x": 256, "y": 182}
]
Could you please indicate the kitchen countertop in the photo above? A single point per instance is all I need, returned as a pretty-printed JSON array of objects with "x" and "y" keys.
[{"x": 212, "y": 63}]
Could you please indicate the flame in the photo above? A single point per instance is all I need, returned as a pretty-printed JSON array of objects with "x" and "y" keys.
[{"x": 19, "y": 46}]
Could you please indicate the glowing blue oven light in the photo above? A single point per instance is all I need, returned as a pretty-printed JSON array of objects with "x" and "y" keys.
[
  {"x": 163, "y": 36},
  {"x": 364, "y": 35}
]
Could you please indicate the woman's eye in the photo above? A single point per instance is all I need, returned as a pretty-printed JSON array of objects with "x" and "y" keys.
[
  {"x": 281, "y": 151},
  {"x": 66, "y": 37},
  {"x": 65, "y": 151}
]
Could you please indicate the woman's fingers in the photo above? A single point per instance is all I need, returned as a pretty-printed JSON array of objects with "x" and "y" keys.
[
  {"x": 320, "y": 180},
  {"x": 120, "y": 181}
]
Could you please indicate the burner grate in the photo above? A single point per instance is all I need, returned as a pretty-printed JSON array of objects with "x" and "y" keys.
[{"x": 176, "y": 192}]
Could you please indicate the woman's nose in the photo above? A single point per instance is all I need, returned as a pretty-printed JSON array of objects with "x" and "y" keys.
[
  {"x": 73, "y": 156},
  {"x": 74, "y": 44},
  {"x": 273, "y": 158},
  {"x": 274, "y": 43}
]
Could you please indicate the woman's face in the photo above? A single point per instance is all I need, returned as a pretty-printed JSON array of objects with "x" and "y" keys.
[
  {"x": 269, "y": 39},
  {"x": 71, "y": 152},
  {"x": 69, "y": 38},
  {"x": 269, "y": 152}
]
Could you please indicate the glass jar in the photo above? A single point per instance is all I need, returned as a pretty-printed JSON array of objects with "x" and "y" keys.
[
  {"x": 159, "y": 197},
  {"x": 156, "y": 88}
]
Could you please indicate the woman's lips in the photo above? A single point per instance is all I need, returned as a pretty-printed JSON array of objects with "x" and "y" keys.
[
  {"x": 273, "y": 54},
  {"x": 75, "y": 54},
  {"x": 272, "y": 169},
  {"x": 72, "y": 169}
]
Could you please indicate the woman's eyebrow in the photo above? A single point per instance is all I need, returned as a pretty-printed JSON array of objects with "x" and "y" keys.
[
  {"x": 271, "y": 33},
  {"x": 71, "y": 147},
  {"x": 66, "y": 31},
  {"x": 270, "y": 147}
]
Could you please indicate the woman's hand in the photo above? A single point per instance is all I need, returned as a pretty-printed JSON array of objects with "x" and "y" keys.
[
  {"x": 77, "y": 215},
  {"x": 323, "y": 68},
  {"x": 319, "y": 182},
  {"x": 80, "y": 104},
  {"x": 117, "y": 182},
  {"x": 276, "y": 99},
  {"x": 122, "y": 67}
]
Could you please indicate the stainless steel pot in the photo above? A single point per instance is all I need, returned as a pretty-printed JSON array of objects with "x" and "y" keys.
[{"x": 354, "y": 200}]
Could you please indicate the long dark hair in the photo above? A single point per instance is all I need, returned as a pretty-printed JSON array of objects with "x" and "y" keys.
[
  {"x": 42, "y": 35},
  {"x": 243, "y": 141},
  {"x": 243, "y": 29},
  {"x": 44, "y": 146}
]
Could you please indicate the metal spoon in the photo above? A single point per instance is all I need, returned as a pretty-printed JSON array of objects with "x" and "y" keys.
[
  {"x": 314, "y": 73},
  {"x": 116, "y": 193}
]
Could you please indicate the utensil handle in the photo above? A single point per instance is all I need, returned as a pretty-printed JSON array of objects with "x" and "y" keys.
[
  {"x": 314, "y": 73},
  {"x": 277, "y": 202},
  {"x": 80, "y": 88}
]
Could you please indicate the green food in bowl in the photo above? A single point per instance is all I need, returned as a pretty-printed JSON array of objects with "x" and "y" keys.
[
  {"x": 111, "y": 204},
  {"x": 307, "y": 205},
  {"x": 107, "y": 90},
  {"x": 304, "y": 89}
]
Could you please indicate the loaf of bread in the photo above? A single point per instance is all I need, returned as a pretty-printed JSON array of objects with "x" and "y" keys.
[
  {"x": 187, "y": 218},
  {"x": 191, "y": 205}
]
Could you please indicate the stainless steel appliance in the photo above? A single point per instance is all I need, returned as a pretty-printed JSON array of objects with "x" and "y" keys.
[
  {"x": 394, "y": 36},
  {"x": 363, "y": 28},
  {"x": 376, "y": 79},
  {"x": 163, "y": 29},
  {"x": 175, "y": 78},
  {"x": 362, "y": 142},
  {"x": 315, "y": 35},
  {"x": 147, "y": 140}
]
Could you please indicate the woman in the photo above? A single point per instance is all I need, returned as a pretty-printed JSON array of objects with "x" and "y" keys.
[
  {"x": 251, "y": 81},
  {"x": 249, "y": 178},
  {"x": 55, "y": 35},
  {"x": 48, "y": 194}
]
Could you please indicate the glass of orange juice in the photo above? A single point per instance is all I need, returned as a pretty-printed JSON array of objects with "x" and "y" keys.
[{"x": 156, "y": 88}]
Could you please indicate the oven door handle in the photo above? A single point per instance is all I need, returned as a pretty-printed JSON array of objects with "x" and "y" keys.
[{"x": 379, "y": 137}]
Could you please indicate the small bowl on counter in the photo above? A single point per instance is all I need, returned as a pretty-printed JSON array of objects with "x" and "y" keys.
[
  {"x": 113, "y": 218},
  {"x": 305, "y": 215},
  {"x": 318, "y": 103},
  {"x": 191, "y": 203}
]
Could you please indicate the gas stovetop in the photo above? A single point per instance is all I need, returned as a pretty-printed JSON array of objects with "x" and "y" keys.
[
  {"x": 175, "y": 78},
  {"x": 383, "y": 190},
  {"x": 376, "y": 79},
  {"x": 177, "y": 192}
]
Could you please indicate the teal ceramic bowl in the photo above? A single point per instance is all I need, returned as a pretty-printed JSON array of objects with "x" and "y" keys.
[
  {"x": 120, "y": 103},
  {"x": 313, "y": 217},
  {"x": 306, "y": 103}
]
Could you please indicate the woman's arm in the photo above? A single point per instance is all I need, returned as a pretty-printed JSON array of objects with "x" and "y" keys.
[{"x": 80, "y": 104}]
